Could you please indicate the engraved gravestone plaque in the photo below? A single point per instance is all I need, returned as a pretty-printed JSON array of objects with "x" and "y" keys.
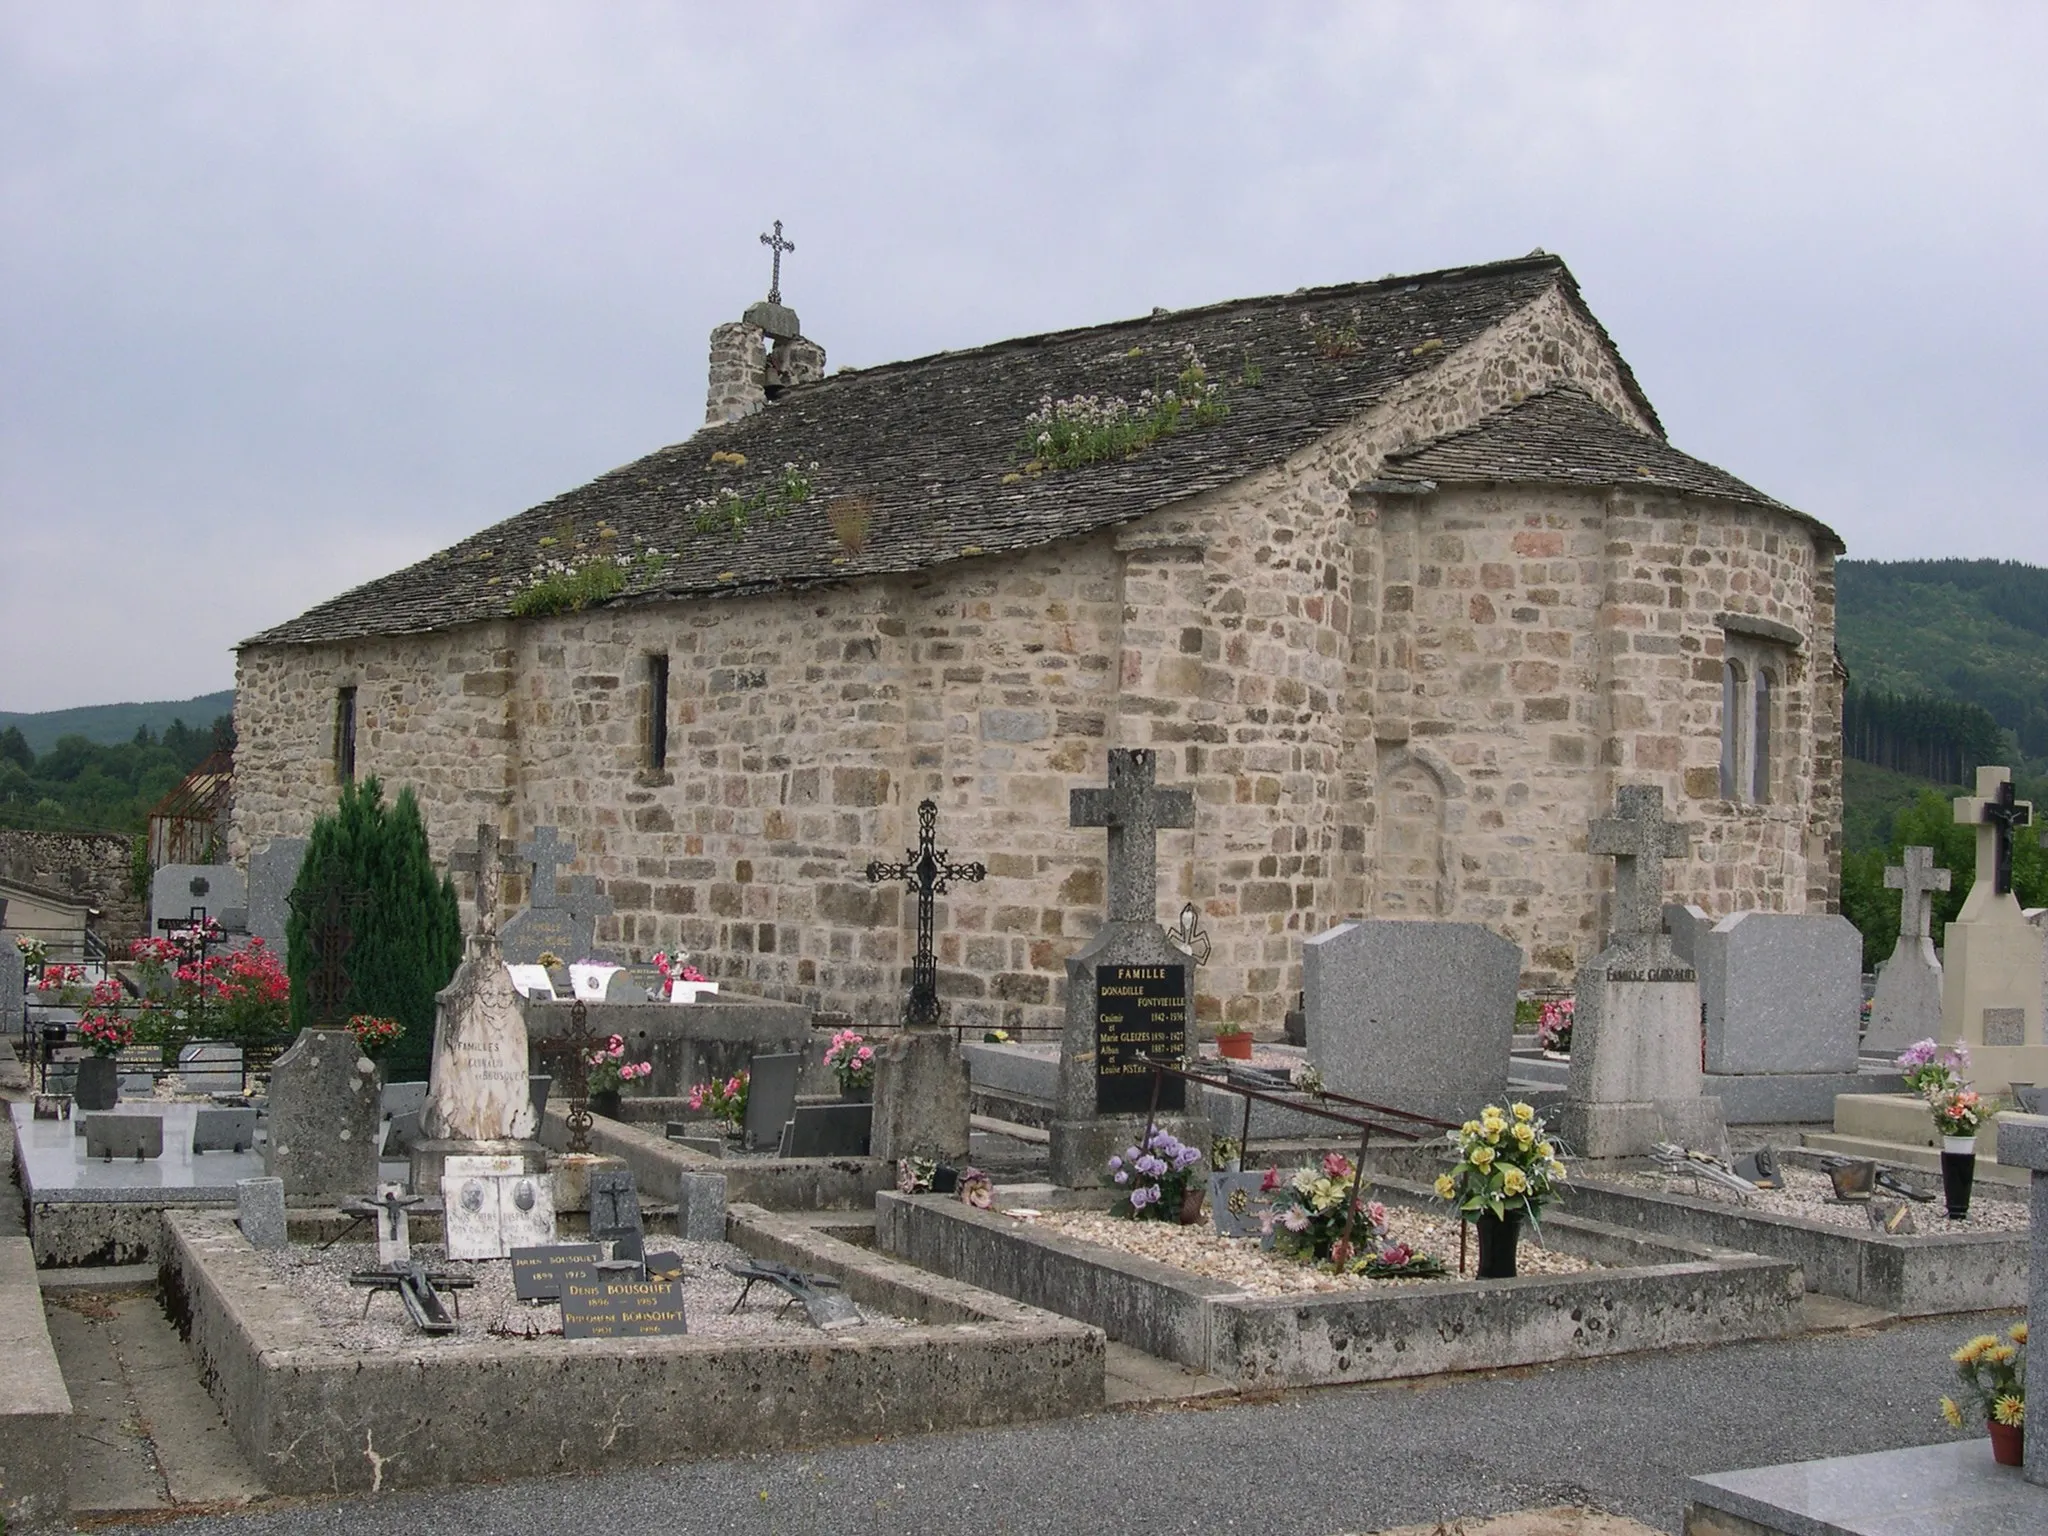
[
  {"x": 598, "y": 1309},
  {"x": 2005, "y": 1026},
  {"x": 1140, "y": 1010}
]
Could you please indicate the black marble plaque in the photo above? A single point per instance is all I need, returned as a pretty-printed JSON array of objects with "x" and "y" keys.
[
  {"x": 538, "y": 1273},
  {"x": 596, "y": 1309},
  {"x": 1140, "y": 1010}
]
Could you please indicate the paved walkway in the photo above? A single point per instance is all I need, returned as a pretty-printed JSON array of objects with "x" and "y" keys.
[{"x": 1621, "y": 1435}]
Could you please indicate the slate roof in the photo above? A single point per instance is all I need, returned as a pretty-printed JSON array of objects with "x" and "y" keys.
[
  {"x": 928, "y": 443},
  {"x": 1562, "y": 436}
]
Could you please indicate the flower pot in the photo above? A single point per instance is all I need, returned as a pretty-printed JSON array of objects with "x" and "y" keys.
[
  {"x": 2008, "y": 1444},
  {"x": 1236, "y": 1047},
  {"x": 856, "y": 1093},
  {"x": 99, "y": 1083},
  {"x": 1498, "y": 1236},
  {"x": 605, "y": 1103},
  {"x": 1191, "y": 1205},
  {"x": 1958, "y": 1173}
]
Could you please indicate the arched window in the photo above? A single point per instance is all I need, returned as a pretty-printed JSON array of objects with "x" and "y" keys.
[
  {"x": 1734, "y": 687},
  {"x": 1760, "y": 740}
]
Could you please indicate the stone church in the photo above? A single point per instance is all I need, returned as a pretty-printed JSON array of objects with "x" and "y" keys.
[{"x": 1418, "y": 585}]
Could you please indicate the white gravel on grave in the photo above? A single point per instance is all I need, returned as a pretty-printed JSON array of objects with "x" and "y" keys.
[
  {"x": 1811, "y": 1196},
  {"x": 491, "y": 1313},
  {"x": 1202, "y": 1250}
]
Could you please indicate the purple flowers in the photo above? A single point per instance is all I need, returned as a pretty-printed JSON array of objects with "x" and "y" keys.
[{"x": 1155, "y": 1174}]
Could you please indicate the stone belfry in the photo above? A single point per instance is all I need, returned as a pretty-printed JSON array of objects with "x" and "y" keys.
[{"x": 755, "y": 358}]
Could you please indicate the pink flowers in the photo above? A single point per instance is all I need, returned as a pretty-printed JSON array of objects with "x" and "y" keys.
[
  {"x": 105, "y": 1034},
  {"x": 57, "y": 976},
  {"x": 674, "y": 971},
  {"x": 1554, "y": 1024},
  {"x": 851, "y": 1059},
  {"x": 607, "y": 1070},
  {"x": 723, "y": 1101}
]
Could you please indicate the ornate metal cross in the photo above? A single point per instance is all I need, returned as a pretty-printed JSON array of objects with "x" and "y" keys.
[
  {"x": 329, "y": 913},
  {"x": 573, "y": 1051},
  {"x": 778, "y": 245},
  {"x": 492, "y": 856},
  {"x": 1918, "y": 879},
  {"x": 1134, "y": 810},
  {"x": 1992, "y": 809},
  {"x": 1639, "y": 840},
  {"x": 926, "y": 870}
]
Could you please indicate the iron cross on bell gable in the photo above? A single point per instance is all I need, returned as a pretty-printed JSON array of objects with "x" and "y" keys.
[{"x": 928, "y": 872}]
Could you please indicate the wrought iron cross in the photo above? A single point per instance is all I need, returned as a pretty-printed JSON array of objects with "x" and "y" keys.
[
  {"x": 492, "y": 856},
  {"x": 926, "y": 871},
  {"x": 1993, "y": 806},
  {"x": 329, "y": 912},
  {"x": 1639, "y": 840},
  {"x": 573, "y": 1050},
  {"x": 778, "y": 245}
]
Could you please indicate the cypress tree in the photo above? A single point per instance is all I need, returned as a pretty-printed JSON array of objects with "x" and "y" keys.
[{"x": 407, "y": 933}]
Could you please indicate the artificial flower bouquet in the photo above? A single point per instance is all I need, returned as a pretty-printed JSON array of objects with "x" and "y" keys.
[
  {"x": 1993, "y": 1375},
  {"x": 374, "y": 1035},
  {"x": 852, "y": 1060},
  {"x": 1930, "y": 1070},
  {"x": 1958, "y": 1111},
  {"x": 1319, "y": 1213},
  {"x": 1507, "y": 1165},
  {"x": 606, "y": 1069},
  {"x": 725, "y": 1101},
  {"x": 1554, "y": 1025},
  {"x": 1153, "y": 1176}
]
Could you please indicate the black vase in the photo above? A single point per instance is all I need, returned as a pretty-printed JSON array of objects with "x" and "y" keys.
[
  {"x": 1958, "y": 1173},
  {"x": 99, "y": 1083},
  {"x": 605, "y": 1103},
  {"x": 1498, "y": 1236}
]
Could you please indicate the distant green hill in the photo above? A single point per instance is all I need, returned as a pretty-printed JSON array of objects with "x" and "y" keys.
[{"x": 112, "y": 724}]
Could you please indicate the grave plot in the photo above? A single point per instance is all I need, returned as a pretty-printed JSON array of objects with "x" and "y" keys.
[
  {"x": 1939, "y": 1266},
  {"x": 322, "y": 1404},
  {"x": 1609, "y": 1291}
]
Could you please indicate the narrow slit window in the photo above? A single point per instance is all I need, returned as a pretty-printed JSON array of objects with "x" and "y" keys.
[
  {"x": 1760, "y": 740},
  {"x": 1731, "y": 729},
  {"x": 345, "y": 736},
  {"x": 657, "y": 711}
]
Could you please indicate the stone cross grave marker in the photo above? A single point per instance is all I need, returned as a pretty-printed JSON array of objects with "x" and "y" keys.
[
  {"x": 1130, "y": 992},
  {"x": 1996, "y": 816},
  {"x": 1639, "y": 840},
  {"x": 929, "y": 874},
  {"x": 491, "y": 857},
  {"x": 1906, "y": 1004},
  {"x": 563, "y": 922},
  {"x": 1991, "y": 978},
  {"x": 547, "y": 853}
]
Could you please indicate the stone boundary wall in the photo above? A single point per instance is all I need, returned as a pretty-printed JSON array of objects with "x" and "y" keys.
[
  {"x": 314, "y": 1419},
  {"x": 1674, "y": 1293},
  {"x": 1251, "y": 635},
  {"x": 35, "y": 1408},
  {"x": 94, "y": 867}
]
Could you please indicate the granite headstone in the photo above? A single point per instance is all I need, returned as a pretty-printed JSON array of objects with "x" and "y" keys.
[
  {"x": 273, "y": 871},
  {"x": 259, "y": 1212},
  {"x": 2023, "y": 1143},
  {"x": 700, "y": 1207},
  {"x": 124, "y": 1136},
  {"x": 175, "y": 889},
  {"x": 771, "y": 1098},
  {"x": 1906, "y": 1006},
  {"x": 211, "y": 1066},
  {"x": 1781, "y": 992},
  {"x": 223, "y": 1130},
  {"x": 323, "y": 1119},
  {"x": 615, "y": 1212}
]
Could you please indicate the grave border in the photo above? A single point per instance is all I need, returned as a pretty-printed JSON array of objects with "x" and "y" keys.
[
  {"x": 1925, "y": 1275},
  {"x": 1675, "y": 1293},
  {"x": 314, "y": 1418}
]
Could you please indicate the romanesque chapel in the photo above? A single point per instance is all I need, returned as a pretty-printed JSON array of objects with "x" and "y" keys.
[{"x": 1402, "y": 583}]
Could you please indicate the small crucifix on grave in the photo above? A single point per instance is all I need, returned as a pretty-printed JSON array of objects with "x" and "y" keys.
[
  {"x": 778, "y": 245},
  {"x": 928, "y": 872},
  {"x": 491, "y": 857},
  {"x": 329, "y": 912},
  {"x": 1997, "y": 816},
  {"x": 1917, "y": 879},
  {"x": 1639, "y": 840},
  {"x": 389, "y": 1211},
  {"x": 572, "y": 1051}
]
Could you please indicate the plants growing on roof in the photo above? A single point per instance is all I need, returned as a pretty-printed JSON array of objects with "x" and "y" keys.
[
  {"x": 1086, "y": 429},
  {"x": 729, "y": 511}
]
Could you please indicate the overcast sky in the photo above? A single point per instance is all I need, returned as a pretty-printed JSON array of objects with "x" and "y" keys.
[{"x": 293, "y": 295}]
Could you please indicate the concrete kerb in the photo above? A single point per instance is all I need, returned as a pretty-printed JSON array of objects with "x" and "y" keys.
[
  {"x": 35, "y": 1408},
  {"x": 1916, "y": 1276},
  {"x": 313, "y": 1418},
  {"x": 1667, "y": 1292}
]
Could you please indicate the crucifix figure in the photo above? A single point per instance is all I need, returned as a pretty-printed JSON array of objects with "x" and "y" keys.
[
  {"x": 778, "y": 245},
  {"x": 1134, "y": 810},
  {"x": 926, "y": 870},
  {"x": 328, "y": 912},
  {"x": 388, "y": 1210},
  {"x": 1996, "y": 816},
  {"x": 1639, "y": 840},
  {"x": 545, "y": 855},
  {"x": 572, "y": 1052},
  {"x": 1918, "y": 879},
  {"x": 492, "y": 856}
]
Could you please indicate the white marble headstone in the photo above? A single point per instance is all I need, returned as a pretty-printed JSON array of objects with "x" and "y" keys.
[
  {"x": 589, "y": 981},
  {"x": 491, "y": 1205},
  {"x": 690, "y": 991},
  {"x": 479, "y": 1087}
]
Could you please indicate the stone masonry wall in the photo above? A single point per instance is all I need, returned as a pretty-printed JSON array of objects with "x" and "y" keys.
[
  {"x": 94, "y": 867},
  {"x": 1240, "y": 634}
]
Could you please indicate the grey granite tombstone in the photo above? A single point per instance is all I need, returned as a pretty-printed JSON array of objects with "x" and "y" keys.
[
  {"x": 922, "y": 1097},
  {"x": 771, "y": 1098},
  {"x": 1412, "y": 1014},
  {"x": 223, "y": 1130},
  {"x": 259, "y": 1212},
  {"x": 1781, "y": 992},
  {"x": 1130, "y": 993},
  {"x": 395, "y": 1099},
  {"x": 700, "y": 1207},
  {"x": 615, "y": 1212},
  {"x": 175, "y": 889},
  {"x": 830, "y": 1130},
  {"x": 1683, "y": 924},
  {"x": 133, "y": 1137},
  {"x": 1636, "y": 1077},
  {"x": 1906, "y": 1006},
  {"x": 1239, "y": 1203},
  {"x": 323, "y": 1119},
  {"x": 273, "y": 871},
  {"x": 13, "y": 992},
  {"x": 211, "y": 1066},
  {"x": 560, "y": 922},
  {"x": 2023, "y": 1143}
]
